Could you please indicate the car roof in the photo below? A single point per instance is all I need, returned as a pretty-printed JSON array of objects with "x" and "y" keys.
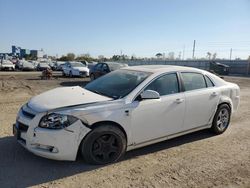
[
  {"x": 162, "y": 68},
  {"x": 74, "y": 62}
]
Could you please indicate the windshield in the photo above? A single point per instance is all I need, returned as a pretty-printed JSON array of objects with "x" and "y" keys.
[
  {"x": 76, "y": 64},
  {"x": 117, "y": 84}
]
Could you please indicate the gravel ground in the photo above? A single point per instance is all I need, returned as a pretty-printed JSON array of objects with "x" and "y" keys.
[{"x": 196, "y": 160}]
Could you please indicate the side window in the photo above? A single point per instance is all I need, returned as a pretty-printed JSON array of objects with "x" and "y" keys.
[
  {"x": 105, "y": 67},
  {"x": 193, "y": 81},
  {"x": 209, "y": 82},
  {"x": 165, "y": 85},
  {"x": 98, "y": 66}
]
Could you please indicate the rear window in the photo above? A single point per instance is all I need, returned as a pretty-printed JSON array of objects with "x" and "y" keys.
[{"x": 193, "y": 81}]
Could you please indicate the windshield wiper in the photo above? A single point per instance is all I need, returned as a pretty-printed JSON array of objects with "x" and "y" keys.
[{"x": 100, "y": 93}]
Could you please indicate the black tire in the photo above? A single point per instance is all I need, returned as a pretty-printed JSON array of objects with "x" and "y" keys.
[
  {"x": 104, "y": 144},
  {"x": 221, "y": 119},
  {"x": 70, "y": 74},
  {"x": 92, "y": 77}
]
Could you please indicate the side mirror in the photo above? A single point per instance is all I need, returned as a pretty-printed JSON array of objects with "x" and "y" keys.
[{"x": 150, "y": 94}]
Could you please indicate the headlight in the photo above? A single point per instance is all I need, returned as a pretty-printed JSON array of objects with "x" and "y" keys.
[{"x": 57, "y": 121}]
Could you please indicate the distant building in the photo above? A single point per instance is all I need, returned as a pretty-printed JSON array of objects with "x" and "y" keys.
[
  {"x": 22, "y": 53},
  {"x": 37, "y": 53},
  {"x": 16, "y": 51}
]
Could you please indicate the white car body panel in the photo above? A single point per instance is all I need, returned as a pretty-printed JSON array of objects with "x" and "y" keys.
[
  {"x": 144, "y": 122},
  {"x": 196, "y": 115},
  {"x": 64, "y": 96},
  {"x": 166, "y": 109}
]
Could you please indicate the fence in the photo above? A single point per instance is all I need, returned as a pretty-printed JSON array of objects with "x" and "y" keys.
[{"x": 240, "y": 67}]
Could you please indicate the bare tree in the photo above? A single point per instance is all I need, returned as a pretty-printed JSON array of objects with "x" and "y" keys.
[
  {"x": 171, "y": 55},
  {"x": 159, "y": 55},
  {"x": 209, "y": 54}
]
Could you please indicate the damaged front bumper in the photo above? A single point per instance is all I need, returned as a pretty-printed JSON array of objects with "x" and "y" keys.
[{"x": 59, "y": 144}]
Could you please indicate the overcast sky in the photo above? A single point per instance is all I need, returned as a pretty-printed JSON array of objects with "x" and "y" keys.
[{"x": 140, "y": 27}]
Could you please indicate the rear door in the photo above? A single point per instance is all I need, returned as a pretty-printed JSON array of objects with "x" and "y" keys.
[
  {"x": 98, "y": 70},
  {"x": 66, "y": 68},
  {"x": 201, "y": 99},
  {"x": 105, "y": 69}
]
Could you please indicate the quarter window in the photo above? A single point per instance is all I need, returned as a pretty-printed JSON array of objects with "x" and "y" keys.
[
  {"x": 193, "y": 81},
  {"x": 165, "y": 85},
  {"x": 209, "y": 82}
]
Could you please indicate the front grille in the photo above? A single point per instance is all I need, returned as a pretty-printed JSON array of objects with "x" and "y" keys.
[
  {"x": 22, "y": 127},
  {"x": 28, "y": 114}
]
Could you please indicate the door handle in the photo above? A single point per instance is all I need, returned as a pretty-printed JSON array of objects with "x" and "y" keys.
[
  {"x": 178, "y": 101},
  {"x": 214, "y": 94}
]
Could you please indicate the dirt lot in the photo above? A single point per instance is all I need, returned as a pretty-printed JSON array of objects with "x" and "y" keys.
[{"x": 195, "y": 160}]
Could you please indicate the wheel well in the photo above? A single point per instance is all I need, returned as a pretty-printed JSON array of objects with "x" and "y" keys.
[
  {"x": 97, "y": 124},
  {"x": 228, "y": 104},
  {"x": 112, "y": 123}
]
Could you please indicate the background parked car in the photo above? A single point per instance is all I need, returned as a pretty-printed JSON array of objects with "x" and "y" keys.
[
  {"x": 219, "y": 68},
  {"x": 75, "y": 69},
  {"x": 101, "y": 69},
  {"x": 42, "y": 66},
  {"x": 6, "y": 65},
  {"x": 84, "y": 63},
  {"x": 59, "y": 65},
  {"x": 91, "y": 64},
  {"x": 26, "y": 65},
  {"x": 52, "y": 65}
]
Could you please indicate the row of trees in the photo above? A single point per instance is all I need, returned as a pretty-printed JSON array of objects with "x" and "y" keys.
[
  {"x": 169, "y": 56},
  {"x": 87, "y": 57},
  {"x": 73, "y": 57}
]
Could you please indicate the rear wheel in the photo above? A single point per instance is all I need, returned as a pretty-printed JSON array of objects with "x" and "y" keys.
[
  {"x": 92, "y": 77},
  {"x": 104, "y": 144},
  {"x": 221, "y": 119}
]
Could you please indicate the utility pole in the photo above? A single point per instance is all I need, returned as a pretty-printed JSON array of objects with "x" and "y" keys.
[
  {"x": 193, "y": 49},
  {"x": 231, "y": 50},
  {"x": 183, "y": 52}
]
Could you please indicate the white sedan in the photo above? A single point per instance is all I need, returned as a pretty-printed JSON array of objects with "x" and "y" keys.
[
  {"x": 6, "y": 65},
  {"x": 75, "y": 69},
  {"x": 123, "y": 110}
]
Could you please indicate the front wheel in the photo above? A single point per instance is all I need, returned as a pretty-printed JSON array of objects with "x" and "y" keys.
[
  {"x": 70, "y": 74},
  {"x": 221, "y": 119},
  {"x": 104, "y": 144}
]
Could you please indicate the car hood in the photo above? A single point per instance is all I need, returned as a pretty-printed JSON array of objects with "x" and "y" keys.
[
  {"x": 63, "y": 97},
  {"x": 81, "y": 68}
]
